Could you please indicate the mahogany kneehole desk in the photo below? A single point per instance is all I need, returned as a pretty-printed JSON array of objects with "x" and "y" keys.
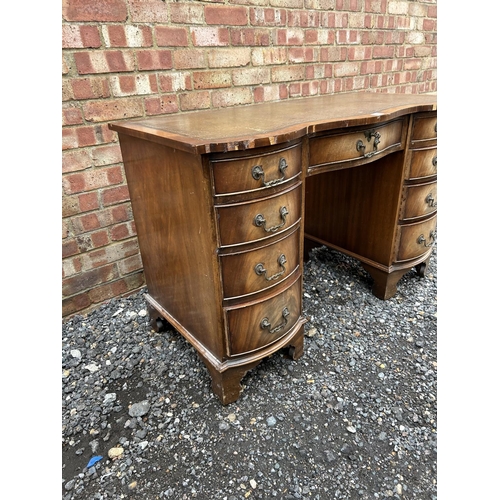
[{"x": 227, "y": 202}]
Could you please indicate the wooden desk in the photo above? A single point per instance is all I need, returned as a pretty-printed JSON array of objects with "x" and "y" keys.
[{"x": 227, "y": 202}]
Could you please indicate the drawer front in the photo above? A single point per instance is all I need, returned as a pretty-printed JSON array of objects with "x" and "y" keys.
[
  {"x": 256, "y": 172},
  {"x": 424, "y": 127},
  {"x": 355, "y": 145},
  {"x": 259, "y": 219},
  {"x": 423, "y": 162},
  {"x": 416, "y": 239},
  {"x": 259, "y": 324},
  {"x": 249, "y": 272},
  {"x": 420, "y": 200}
]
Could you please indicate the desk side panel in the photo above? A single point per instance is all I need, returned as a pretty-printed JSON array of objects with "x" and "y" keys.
[{"x": 170, "y": 191}]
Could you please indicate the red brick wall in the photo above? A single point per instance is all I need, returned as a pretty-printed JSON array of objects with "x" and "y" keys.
[{"x": 124, "y": 59}]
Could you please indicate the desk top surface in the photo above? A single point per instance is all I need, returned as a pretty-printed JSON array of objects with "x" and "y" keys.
[{"x": 256, "y": 125}]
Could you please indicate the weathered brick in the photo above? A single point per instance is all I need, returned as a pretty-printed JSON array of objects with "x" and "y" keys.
[
  {"x": 159, "y": 105},
  {"x": 76, "y": 160},
  {"x": 226, "y": 58},
  {"x": 301, "y": 54},
  {"x": 310, "y": 88},
  {"x": 231, "y": 97},
  {"x": 270, "y": 93},
  {"x": 75, "y": 304},
  {"x": 89, "y": 279},
  {"x": 376, "y": 6},
  {"x": 71, "y": 115},
  {"x": 287, "y": 73},
  {"x": 291, "y": 4},
  {"x": 175, "y": 81},
  {"x": 121, "y": 231},
  {"x": 88, "y": 201},
  {"x": 80, "y": 36},
  {"x": 189, "y": 59},
  {"x": 348, "y": 37},
  {"x": 117, "y": 288},
  {"x": 187, "y": 13},
  {"x": 90, "y": 10},
  {"x": 112, "y": 196},
  {"x": 100, "y": 257},
  {"x": 130, "y": 265},
  {"x": 90, "y": 88},
  {"x": 167, "y": 36},
  {"x": 290, "y": 36},
  {"x": 69, "y": 248},
  {"x": 148, "y": 11},
  {"x": 269, "y": 56},
  {"x": 92, "y": 179},
  {"x": 106, "y": 155},
  {"x": 250, "y": 37},
  {"x": 211, "y": 79},
  {"x": 69, "y": 138},
  {"x": 129, "y": 85},
  {"x": 226, "y": 15},
  {"x": 209, "y": 36},
  {"x": 251, "y": 76},
  {"x": 359, "y": 53},
  {"x": 117, "y": 35},
  {"x": 100, "y": 238},
  {"x": 154, "y": 59},
  {"x": 268, "y": 17},
  {"x": 345, "y": 69},
  {"x": 383, "y": 52},
  {"x": 115, "y": 109},
  {"x": 303, "y": 18},
  {"x": 194, "y": 100},
  {"x": 103, "y": 62}
]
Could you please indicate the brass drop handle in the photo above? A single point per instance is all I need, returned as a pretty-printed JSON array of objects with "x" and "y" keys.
[
  {"x": 258, "y": 173},
  {"x": 264, "y": 324},
  {"x": 260, "y": 269},
  {"x": 369, "y": 134},
  {"x": 260, "y": 221},
  {"x": 431, "y": 201},
  {"x": 432, "y": 237}
]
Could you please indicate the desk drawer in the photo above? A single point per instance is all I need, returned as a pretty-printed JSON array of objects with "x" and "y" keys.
[
  {"x": 249, "y": 272},
  {"x": 421, "y": 200},
  {"x": 261, "y": 323},
  {"x": 424, "y": 127},
  {"x": 416, "y": 239},
  {"x": 258, "y": 171},
  {"x": 259, "y": 219},
  {"x": 355, "y": 145},
  {"x": 423, "y": 162}
]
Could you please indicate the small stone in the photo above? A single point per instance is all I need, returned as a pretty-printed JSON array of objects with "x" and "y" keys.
[
  {"x": 351, "y": 429},
  {"x": 312, "y": 332},
  {"x": 271, "y": 421},
  {"x": 139, "y": 409},
  {"x": 92, "y": 367},
  {"x": 132, "y": 485},
  {"x": 399, "y": 489},
  {"x": 253, "y": 483},
  {"x": 114, "y": 453},
  {"x": 223, "y": 426},
  {"x": 109, "y": 398},
  {"x": 76, "y": 353}
]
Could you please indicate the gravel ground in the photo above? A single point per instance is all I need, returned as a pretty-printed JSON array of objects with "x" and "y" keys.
[{"x": 354, "y": 418}]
